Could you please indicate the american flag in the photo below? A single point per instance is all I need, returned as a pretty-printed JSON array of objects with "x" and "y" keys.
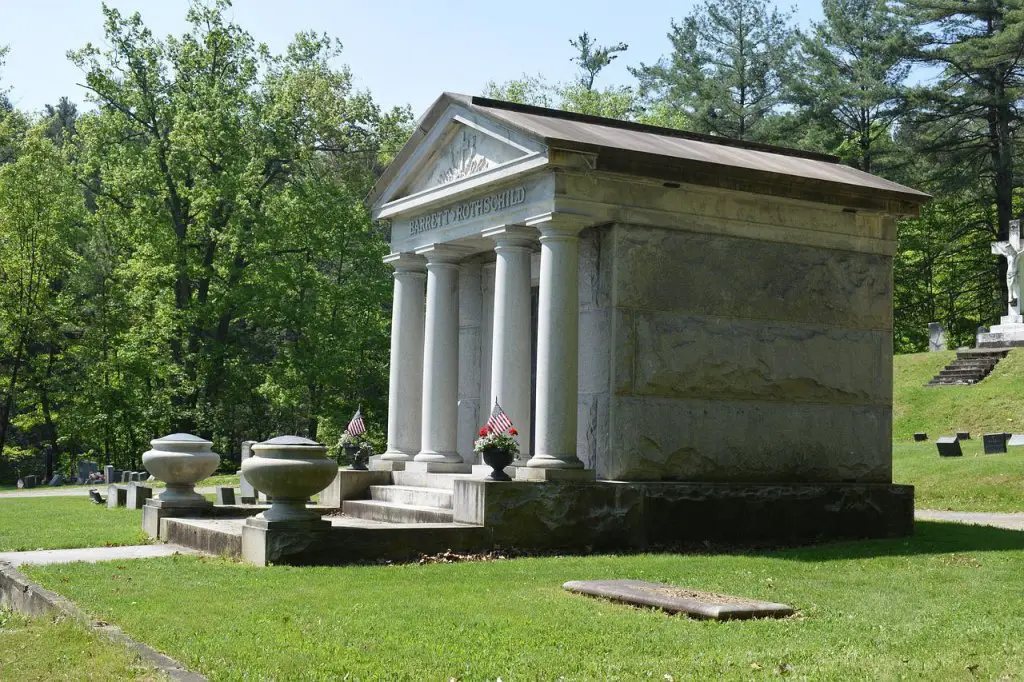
[
  {"x": 356, "y": 427},
  {"x": 498, "y": 422}
]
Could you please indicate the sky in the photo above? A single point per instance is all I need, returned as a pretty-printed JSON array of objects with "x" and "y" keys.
[{"x": 403, "y": 51}]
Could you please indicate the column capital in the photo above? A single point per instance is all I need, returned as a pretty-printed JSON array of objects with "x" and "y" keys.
[
  {"x": 443, "y": 253},
  {"x": 405, "y": 262},
  {"x": 511, "y": 236},
  {"x": 560, "y": 225}
]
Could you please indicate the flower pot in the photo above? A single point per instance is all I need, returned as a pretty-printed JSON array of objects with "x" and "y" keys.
[
  {"x": 181, "y": 460},
  {"x": 497, "y": 459},
  {"x": 358, "y": 461},
  {"x": 289, "y": 469}
]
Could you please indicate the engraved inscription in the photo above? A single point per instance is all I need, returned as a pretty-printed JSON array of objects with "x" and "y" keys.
[{"x": 467, "y": 210}]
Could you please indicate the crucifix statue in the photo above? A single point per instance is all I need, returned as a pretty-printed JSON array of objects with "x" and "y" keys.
[{"x": 1012, "y": 251}]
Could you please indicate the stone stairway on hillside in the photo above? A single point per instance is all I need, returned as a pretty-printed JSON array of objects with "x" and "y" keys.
[
  {"x": 412, "y": 498},
  {"x": 970, "y": 367}
]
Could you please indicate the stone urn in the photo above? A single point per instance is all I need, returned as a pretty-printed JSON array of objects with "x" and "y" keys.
[
  {"x": 497, "y": 459},
  {"x": 289, "y": 469},
  {"x": 181, "y": 460}
]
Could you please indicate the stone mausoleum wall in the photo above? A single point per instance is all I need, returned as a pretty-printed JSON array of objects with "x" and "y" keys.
[{"x": 736, "y": 338}]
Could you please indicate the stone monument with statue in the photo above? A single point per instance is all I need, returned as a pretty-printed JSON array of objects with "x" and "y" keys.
[{"x": 1010, "y": 330}]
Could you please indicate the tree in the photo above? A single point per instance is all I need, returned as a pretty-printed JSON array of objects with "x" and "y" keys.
[
  {"x": 227, "y": 185},
  {"x": 851, "y": 85},
  {"x": 727, "y": 71},
  {"x": 592, "y": 58},
  {"x": 965, "y": 124}
]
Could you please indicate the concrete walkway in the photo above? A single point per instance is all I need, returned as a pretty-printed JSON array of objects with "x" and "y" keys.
[
  {"x": 1011, "y": 521},
  {"x": 83, "y": 491},
  {"x": 92, "y": 554}
]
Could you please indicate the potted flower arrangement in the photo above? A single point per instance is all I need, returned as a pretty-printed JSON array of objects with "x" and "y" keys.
[
  {"x": 499, "y": 449},
  {"x": 356, "y": 451}
]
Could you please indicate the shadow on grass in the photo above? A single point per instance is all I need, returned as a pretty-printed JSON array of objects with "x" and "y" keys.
[{"x": 930, "y": 537}]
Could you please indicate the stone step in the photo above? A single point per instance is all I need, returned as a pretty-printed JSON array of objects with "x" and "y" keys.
[
  {"x": 422, "y": 480},
  {"x": 377, "y": 510},
  {"x": 962, "y": 373},
  {"x": 412, "y": 495}
]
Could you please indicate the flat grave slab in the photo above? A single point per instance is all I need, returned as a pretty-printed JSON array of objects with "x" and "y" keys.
[
  {"x": 920, "y": 436},
  {"x": 949, "y": 446},
  {"x": 1016, "y": 440},
  {"x": 673, "y": 599},
  {"x": 963, "y": 435}
]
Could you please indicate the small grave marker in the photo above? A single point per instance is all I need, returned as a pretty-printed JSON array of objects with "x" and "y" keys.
[
  {"x": 949, "y": 446},
  {"x": 995, "y": 443},
  {"x": 125, "y": 475},
  {"x": 137, "y": 495},
  {"x": 920, "y": 436},
  {"x": 963, "y": 435},
  {"x": 117, "y": 496},
  {"x": 108, "y": 474},
  {"x": 31, "y": 481},
  {"x": 225, "y": 494},
  {"x": 85, "y": 468},
  {"x": 1016, "y": 440},
  {"x": 694, "y": 603}
]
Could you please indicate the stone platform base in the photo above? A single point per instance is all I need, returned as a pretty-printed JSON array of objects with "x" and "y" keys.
[
  {"x": 1010, "y": 333},
  {"x": 575, "y": 517}
]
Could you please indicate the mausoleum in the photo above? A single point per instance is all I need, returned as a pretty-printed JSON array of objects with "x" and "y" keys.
[{"x": 646, "y": 304}]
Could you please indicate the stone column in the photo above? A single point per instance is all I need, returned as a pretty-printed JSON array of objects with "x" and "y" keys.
[
  {"x": 557, "y": 346},
  {"x": 470, "y": 312},
  {"x": 406, "y": 382},
  {"x": 511, "y": 344},
  {"x": 438, "y": 443}
]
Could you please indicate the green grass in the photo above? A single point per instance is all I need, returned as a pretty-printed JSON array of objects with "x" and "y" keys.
[
  {"x": 974, "y": 482},
  {"x": 941, "y": 605},
  {"x": 993, "y": 405},
  {"x": 43, "y": 649},
  {"x": 66, "y": 522}
]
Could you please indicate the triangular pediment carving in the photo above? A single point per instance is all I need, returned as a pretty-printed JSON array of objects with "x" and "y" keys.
[{"x": 463, "y": 152}]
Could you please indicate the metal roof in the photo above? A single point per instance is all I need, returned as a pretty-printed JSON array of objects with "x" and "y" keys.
[{"x": 657, "y": 148}]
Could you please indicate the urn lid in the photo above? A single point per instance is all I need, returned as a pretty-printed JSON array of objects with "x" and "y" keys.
[
  {"x": 292, "y": 440},
  {"x": 289, "y": 446},
  {"x": 183, "y": 438}
]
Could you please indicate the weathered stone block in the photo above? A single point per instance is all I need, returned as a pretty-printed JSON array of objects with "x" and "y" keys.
[
  {"x": 746, "y": 440},
  {"x": 668, "y": 270},
  {"x": 117, "y": 496},
  {"x": 351, "y": 484}
]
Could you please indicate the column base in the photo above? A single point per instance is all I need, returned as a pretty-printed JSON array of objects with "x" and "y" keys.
[
  {"x": 444, "y": 457},
  {"x": 438, "y": 468},
  {"x": 550, "y": 462},
  {"x": 395, "y": 456},
  {"x": 569, "y": 475}
]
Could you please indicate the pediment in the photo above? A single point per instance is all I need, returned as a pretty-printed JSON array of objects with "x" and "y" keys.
[
  {"x": 461, "y": 150},
  {"x": 467, "y": 151}
]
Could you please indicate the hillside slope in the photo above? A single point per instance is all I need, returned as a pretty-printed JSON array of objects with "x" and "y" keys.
[
  {"x": 974, "y": 482},
  {"x": 995, "y": 404}
]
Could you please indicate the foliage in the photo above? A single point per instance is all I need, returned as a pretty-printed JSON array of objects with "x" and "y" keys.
[
  {"x": 941, "y": 595},
  {"x": 503, "y": 440}
]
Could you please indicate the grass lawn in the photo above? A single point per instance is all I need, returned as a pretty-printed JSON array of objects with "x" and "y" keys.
[
  {"x": 941, "y": 605},
  {"x": 65, "y": 522},
  {"x": 974, "y": 482},
  {"x": 43, "y": 649},
  {"x": 215, "y": 480}
]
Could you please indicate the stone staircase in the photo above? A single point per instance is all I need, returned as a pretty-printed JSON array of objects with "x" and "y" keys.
[
  {"x": 970, "y": 367},
  {"x": 412, "y": 498}
]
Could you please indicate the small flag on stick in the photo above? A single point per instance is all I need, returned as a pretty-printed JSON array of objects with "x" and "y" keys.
[
  {"x": 498, "y": 422},
  {"x": 356, "y": 427}
]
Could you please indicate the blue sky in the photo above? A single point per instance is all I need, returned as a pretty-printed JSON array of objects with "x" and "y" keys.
[{"x": 402, "y": 51}]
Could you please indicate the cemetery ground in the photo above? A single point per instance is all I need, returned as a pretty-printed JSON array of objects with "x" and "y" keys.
[{"x": 934, "y": 606}]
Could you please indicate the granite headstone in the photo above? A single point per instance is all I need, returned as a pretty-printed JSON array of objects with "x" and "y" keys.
[
  {"x": 949, "y": 446},
  {"x": 920, "y": 436},
  {"x": 995, "y": 443}
]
